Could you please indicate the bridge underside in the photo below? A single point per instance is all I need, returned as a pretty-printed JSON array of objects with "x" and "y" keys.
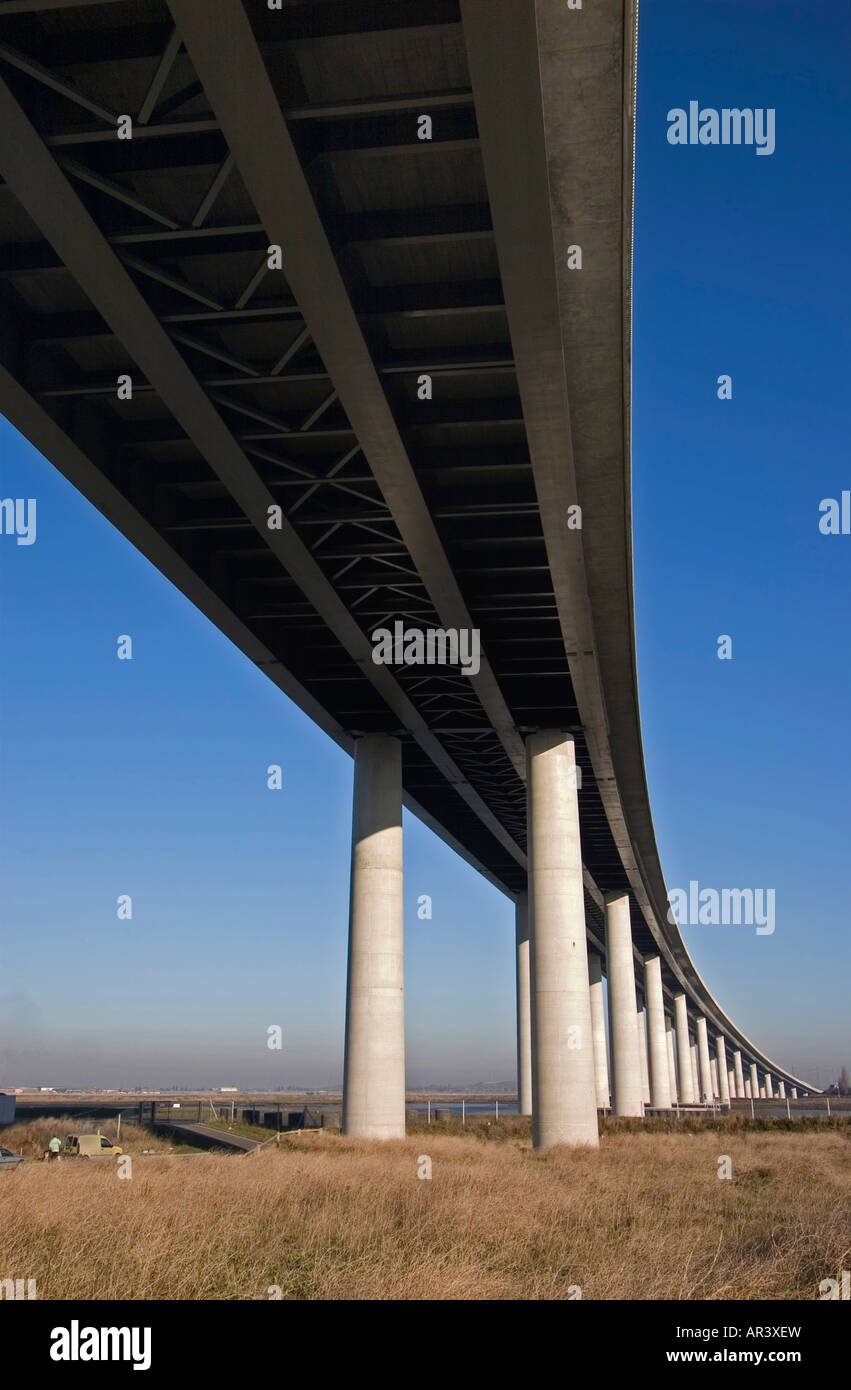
[
  {"x": 408, "y": 225},
  {"x": 296, "y": 379}
]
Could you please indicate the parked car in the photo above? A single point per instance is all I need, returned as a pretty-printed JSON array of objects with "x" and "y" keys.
[
  {"x": 10, "y": 1160},
  {"x": 89, "y": 1146}
]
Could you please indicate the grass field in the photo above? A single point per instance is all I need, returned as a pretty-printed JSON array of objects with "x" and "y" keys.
[{"x": 324, "y": 1217}]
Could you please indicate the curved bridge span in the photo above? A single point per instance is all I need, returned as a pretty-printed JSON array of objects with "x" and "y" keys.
[{"x": 327, "y": 307}]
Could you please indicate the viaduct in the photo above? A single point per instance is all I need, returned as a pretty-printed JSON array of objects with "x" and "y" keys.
[{"x": 327, "y": 307}]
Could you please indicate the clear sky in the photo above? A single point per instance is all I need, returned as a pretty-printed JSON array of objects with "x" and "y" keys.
[{"x": 147, "y": 777}]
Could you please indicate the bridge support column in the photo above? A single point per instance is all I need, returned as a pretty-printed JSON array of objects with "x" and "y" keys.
[
  {"x": 683, "y": 1052},
  {"x": 642, "y": 1055},
  {"x": 695, "y": 1072},
  {"x": 623, "y": 1033},
  {"x": 740, "y": 1080},
  {"x": 672, "y": 1063},
  {"x": 731, "y": 1082},
  {"x": 747, "y": 1088},
  {"x": 564, "y": 1095},
  {"x": 723, "y": 1076},
  {"x": 794, "y": 1093},
  {"x": 754, "y": 1082},
  {"x": 524, "y": 1006},
  {"x": 660, "y": 1080},
  {"x": 598, "y": 1025},
  {"x": 769, "y": 1087},
  {"x": 374, "y": 1069},
  {"x": 781, "y": 1089},
  {"x": 705, "y": 1070}
]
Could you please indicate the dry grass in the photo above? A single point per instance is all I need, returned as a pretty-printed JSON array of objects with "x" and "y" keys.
[{"x": 645, "y": 1217}]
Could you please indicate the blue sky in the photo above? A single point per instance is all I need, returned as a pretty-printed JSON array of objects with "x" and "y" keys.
[{"x": 148, "y": 777}]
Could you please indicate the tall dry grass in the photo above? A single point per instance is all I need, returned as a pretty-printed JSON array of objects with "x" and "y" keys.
[{"x": 324, "y": 1217}]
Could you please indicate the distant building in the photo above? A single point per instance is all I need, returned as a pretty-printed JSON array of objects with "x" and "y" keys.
[{"x": 226, "y": 1090}]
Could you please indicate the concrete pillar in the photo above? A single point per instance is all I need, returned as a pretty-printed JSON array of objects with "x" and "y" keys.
[
  {"x": 374, "y": 1067},
  {"x": 564, "y": 1096},
  {"x": 672, "y": 1061},
  {"x": 769, "y": 1087},
  {"x": 723, "y": 1077},
  {"x": 754, "y": 1082},
  {"x": 781, "y": 1089},
  {"x": 740, "y": 1080},
  {"x": 623, "y": 1034},
  {"x": 524, "y": 1006},
  {"x": 598, "y": 1026},
  {"x": 686, "y": 1083},
  {"x": 642, "y": 1055},
  {"x": 660, "y": 1080},
  {"x": 731, "y": 1082},
  {"x": 705, "y": 1071},
  {"x": 713, "y": 1073},
  {"x": 794, "y": 1093},
  {"x": 695, "y": 1073},
  {"x": 762, "y": 1091},
  {"x": 746, "y": 1086}
]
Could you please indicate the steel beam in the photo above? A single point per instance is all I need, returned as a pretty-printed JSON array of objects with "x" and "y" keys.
[
  {"x": 310, "y": 22},
  {"x": 218, "y": 183},
  {"x": 160, "y": 131},
  {"x": 64, "y": 89},
  {"x": 36, "y": 6},
  {"x": 381, "y": 106},
  {"x": 159, "y": 80},
  {"x": 226, "y": 57},
  {"x": 114, "y": 190}
]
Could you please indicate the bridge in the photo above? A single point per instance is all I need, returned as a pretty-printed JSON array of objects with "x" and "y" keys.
[{"x": 327, "y": 307}]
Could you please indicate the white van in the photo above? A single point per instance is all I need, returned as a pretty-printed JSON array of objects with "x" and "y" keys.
[{"x": 89, "y": 1146}]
